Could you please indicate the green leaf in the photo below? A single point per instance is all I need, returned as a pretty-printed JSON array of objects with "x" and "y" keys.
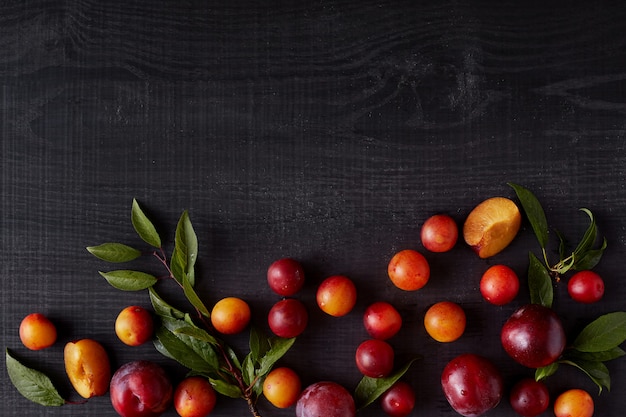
[
  {"x": 127, "y": 280},
  {"x": 114, "y": 252},
  {"x": 144, "y": 227},
  {"x": 196, "y": 333},
  {"x": 278, "y": 347},
  {"x": 589, "y": 237},
  {"x": 172, "y": 346},
  {"x": 248, "y": 371},
  {"x": 546, "y": 371},
  {"x": 193, "y": 297},
  {"x": 534, "y": 212},
  {"x": 590, "y": 258},
  {"x": 259, "y": 344},
  {"x": 185, "y": 249},
  {"x": 226, "y": 388},
  {"x": 32, "y": 384},
  {"x": 162, "y": 308},
  {"x": 597, "y": 371},
  {"x": 539, "y": 282},
  {"x": 196, "y": 339},
  {"x": 369, "y": 389},
  {"x": 604, "y": 356},
  {"x": 604, "y": 333}
]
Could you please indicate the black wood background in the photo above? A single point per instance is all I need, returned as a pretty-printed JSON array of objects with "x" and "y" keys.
[{"x": 324, "y": 131}]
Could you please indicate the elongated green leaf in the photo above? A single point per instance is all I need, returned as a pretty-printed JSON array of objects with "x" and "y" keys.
[
  {"x": 534, "y": 212},
  {"x": 259, "y": 344},
  {"x": 127, "y": 280},
  {"x": 195, "y": 339},
  {"x": 248, "y": 371},
  {"x": 369, "y": 389},
  {"x": 590, "y": 258},
  {"x": 193, "y": 297},
  {"x": 32, "y": 384},
  {"x": 114, "y": 252},
  {"x": 196, "y": 333},
  {"x": 539, "y": 282},
  {"x": 226, "y": 388},
  {"x": 546, "y": 371},
  {"x": 597, "y": 371},
  {"x": 604, "y": 333},
  {"x": 589, "y": 237},
  {"x": 162, "y": 308},
  {"x": 604, "y": 356},
  {"x": 144, "y": 227},
  {"x": 278, "y": 347},
  {"x": 174, "y": 347},
  {"x": 185, "y": 248}
]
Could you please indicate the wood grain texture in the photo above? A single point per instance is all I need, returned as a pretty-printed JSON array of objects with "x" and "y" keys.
[{"x": 326, "y": 131}]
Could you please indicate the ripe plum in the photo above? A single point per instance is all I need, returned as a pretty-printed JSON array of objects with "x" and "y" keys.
[{"x": 325, "y": 399}]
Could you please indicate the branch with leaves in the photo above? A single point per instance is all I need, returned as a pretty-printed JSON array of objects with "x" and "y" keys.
[{"x": 600, "y": 340}]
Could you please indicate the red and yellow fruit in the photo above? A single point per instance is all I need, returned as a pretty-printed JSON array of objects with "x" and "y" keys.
[
  {"x": 282, "y": 387},
  {"x": 445, "y": 321},
  {"x": 439, "y": 233},
  {"x": 37, "y": 332},
  {"x": 134, "y": 326},
  {"x": 491, "y": 226},
  {"x": 408, "y": 270},
  {"x": 87, "y": 366},
  {"x": 140, "y": 389},
  {"x": 230, "y": 315},
  {"x": 336, "y": 295},
  {"x": 194, "y": 397},
  {"x": 574, "y": 403}
]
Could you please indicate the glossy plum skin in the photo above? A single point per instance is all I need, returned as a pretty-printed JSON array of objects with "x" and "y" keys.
[
  {"x": 381, "y": 320},
  {"x": 586, "y": 287},
  {"x": 336, "y": 295},
  {"x": 140, "y": 389},
  {"x": 194, "y": 397},
  {"x": 574, "y": 402},
  {"x": 288, "y": 318},
  {"x": 529, "y": 397},
  {"x": 285, "y": 277},
  {"x": 439, "y": 233},
  {"x": 282, "y": 387},
  {"x": 230, "y": 315},
  {"x": 408, "y": 270},
  {"x": 445, "y": 321},
  {"x": 533, "y": 336},
  {"x": 499, "y": 285},
  {"x": 134, "y": 326},
  {"x": 374, "y": 358},
  {"x": 37, "y": 332},
  {"x": 399, "y": 400},
  {"x": 472, "y": 385},
  {"x": 325, "y": 399}
]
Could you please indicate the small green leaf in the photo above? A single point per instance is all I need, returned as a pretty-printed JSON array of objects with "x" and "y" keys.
[
  {"x": 114, "y": 252},
  {"x": 546, "y": 371},
  {"x": 604, "y": 333},
  {"x": 604, "y": 356},
  {"x": 534, "y": 212},
  {"x": 198, "y": 340},
  {"x": 32, "y": 384},
  {"x": 161, "y": 308},
  {"x": 278, "y": 347},
  {"x": 144, "y": 227},
  {"x": 193, "y": 297},
  {"x": 597, "y": 371},
  {"x": 127, "y": 280},
  {"x": 186, "y": 245},
  {"x": 589, "y": 237},
  {"x": 226, "y": 388},
  {"x": 590, "y": 258},
  {"x": 539, "y": 283},
  {"x": 248, "y": 369},
  {"x": 174, "y": 347},
  {"x": 369, "y": 389},
  {"x": 259, "y": 344}
]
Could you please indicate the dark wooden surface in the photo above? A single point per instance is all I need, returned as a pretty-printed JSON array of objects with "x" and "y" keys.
[{"x": 327, "y": 132}]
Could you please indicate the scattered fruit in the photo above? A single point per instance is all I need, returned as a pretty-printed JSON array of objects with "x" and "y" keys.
[
  {"x": 529, "y": 397},
  {"x": 408, "y": 270},
  {"x": 439, "y": 233},
  {"x": 445, "y": 321},
  {"x": 574, "y": 403},
  {"x": 288, "y": 318},
  {"x": 491, "y": 226},
  {"x": 381, "y": 320},
  {"x": 586, "y": 287},
  {"x": 140, "y": 389},
  {"x": 37, "y": 332},
  {"x": 472, "y": 385},
  {"x": 194, "y": 397},
  {"x": 230, "y": 315},
  {"x": 499, "y": 285},
  {"x": 325, "y": 399},
  {"x": 282, "y": 387},
  {"x": 399, "y": 400},
  {"x": 134, "y": 326},
  {"x": 285, "y": 277},
  {"x": 87, "y": 367},
  {"x": 374, "y": 358},
  {"x": 533, "y": 336},
  {"x": 336, "y": 295}
]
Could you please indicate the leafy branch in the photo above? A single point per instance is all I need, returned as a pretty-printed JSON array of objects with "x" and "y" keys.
[
  {"x": 178, "y": 337},
  {"x": 599, "y": 341}
]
